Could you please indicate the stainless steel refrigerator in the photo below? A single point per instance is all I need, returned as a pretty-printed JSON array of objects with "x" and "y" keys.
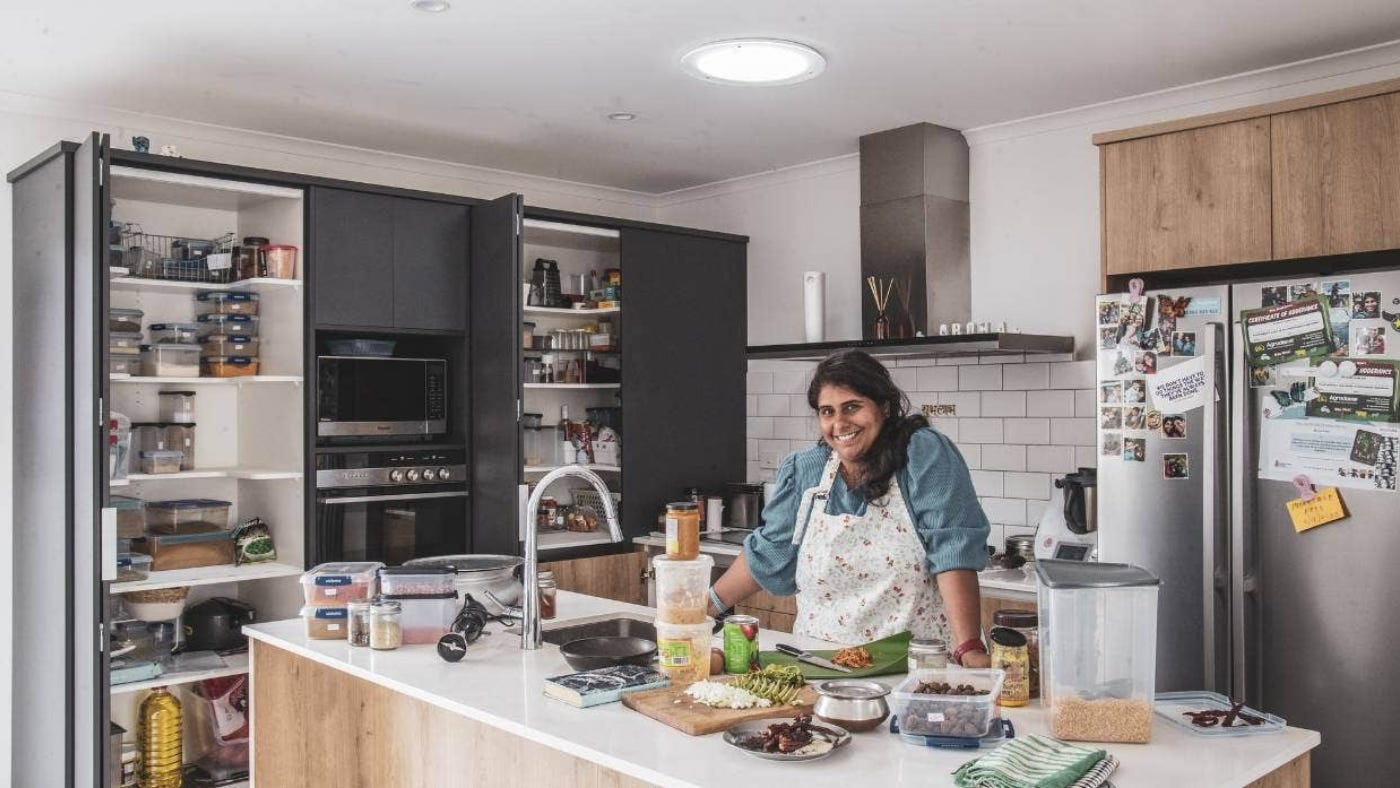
[{"x": 1195, "y": 487}]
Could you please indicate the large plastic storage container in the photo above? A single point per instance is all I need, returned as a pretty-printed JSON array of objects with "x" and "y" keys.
[
  {"x": 947, "y": 714},
  {"x": 153, "y": 462},
  {"x": 226, "y": 303},
  {"x": 176, "y": 407},
  {"x": 683, "y": 650},
  {"x": 129, "y": 341},
  {"x": 336, "y": 583},
  {"x": 182, "y": 516},
  {"x": 426, "y": 618},
  {"x": 325, "y": 623},
  {"x": 170, "y": 361},
  {"x": 1098, "y": 650},
  {"x": 213, "y": 547},
  {"x": 682, "y": 589},
  {"x": 174, "y": 333},
  {"x": 229, "y": 345},
  {"x": 228, "y": 366},
  {"x": 124, "y": 320},
  {"x": 131, "y": 516},
  {"x": 214, "y": 323},
  {"x": 396, "y": 581}
]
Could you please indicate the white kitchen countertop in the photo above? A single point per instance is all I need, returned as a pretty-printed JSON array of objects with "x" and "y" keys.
[{"x": 500, "y": 685}]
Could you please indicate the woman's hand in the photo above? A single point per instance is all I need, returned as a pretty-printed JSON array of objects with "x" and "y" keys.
[{"x": 976, "y": 659}]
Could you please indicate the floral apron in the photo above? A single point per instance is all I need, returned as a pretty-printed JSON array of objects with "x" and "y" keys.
[{"x": 862, "y": 577}]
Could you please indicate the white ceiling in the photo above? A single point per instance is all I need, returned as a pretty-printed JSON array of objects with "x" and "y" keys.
[{"x": 525, "y": 85}]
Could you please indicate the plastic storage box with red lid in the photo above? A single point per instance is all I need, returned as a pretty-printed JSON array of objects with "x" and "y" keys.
[
  {"x": 426, "y": 617},
  {"x": 339, "y": 582}
]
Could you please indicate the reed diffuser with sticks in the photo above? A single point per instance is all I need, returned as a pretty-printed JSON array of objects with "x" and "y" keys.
[{"x": 880, "y": 291}]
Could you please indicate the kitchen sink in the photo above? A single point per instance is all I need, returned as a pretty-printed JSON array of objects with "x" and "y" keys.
[{"x": 626, "y": 625}]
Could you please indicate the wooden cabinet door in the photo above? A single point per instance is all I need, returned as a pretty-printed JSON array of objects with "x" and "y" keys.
[
  {"x": 430, "y": 265},
  {"x": 1336, "y": 178},
  {"x": 617, "y": 576},
  {"x": 1187, "y": 199},
  {"x": 352, "y": 254}
]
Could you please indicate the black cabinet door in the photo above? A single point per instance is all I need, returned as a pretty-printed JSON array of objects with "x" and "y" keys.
[
  {"x": 495, "y": 383},
  {"x": 430, "y": 265},
  {"x": 352, "y": 258},
  {"x": 684, "y": 328}
]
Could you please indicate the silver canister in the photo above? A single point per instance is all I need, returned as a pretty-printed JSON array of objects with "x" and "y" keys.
[{"x": 853, "y": 704}]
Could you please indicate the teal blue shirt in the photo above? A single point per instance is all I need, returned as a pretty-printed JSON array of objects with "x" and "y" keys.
[{"x": 937, "y": 490}]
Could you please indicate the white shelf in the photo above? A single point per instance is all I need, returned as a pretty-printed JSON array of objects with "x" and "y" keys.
[
  {"x": 249, "y": 474},
  {"x": 238, "y": 381},
  {"x": 258, "y": 284},
  {"x": 577, "y": 229},
  {"x": 557, "y": 312},
  {"x": 234, "y": 664},
  {"x": 205, "y": 576},
  {"x": 564, "y": 539},
  {"x": 596, "y": 468},
  {"x": 195, "y": 191},
  {"x": 571, "y": 385}
]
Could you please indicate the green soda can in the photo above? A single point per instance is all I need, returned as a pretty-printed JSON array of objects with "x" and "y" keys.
[{"x": 740, "y": 644}]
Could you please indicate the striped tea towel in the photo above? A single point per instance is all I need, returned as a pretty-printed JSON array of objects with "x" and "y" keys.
[
  {"x": 1098, "y": 775},
  {"x": 1029, "y": 762}
]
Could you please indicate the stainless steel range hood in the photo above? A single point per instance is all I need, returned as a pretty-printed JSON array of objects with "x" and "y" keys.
[{"x": 922, "y": 347}]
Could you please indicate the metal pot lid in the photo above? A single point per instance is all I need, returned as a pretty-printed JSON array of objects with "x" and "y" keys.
[
  {"x": 852, "y": 689},
  {"x": 467, "y": 564}
]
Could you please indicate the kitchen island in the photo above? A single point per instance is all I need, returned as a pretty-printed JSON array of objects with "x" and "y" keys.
[{"x": 326, "y": 714}]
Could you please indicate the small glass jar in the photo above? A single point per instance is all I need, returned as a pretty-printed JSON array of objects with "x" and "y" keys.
[
  {"x": 548, "y": 591},
  {"x": 927, "y": 654},
  {"x": 357, "y": 622},
  {"x": 1009, "y": 654},
  {"x": 385, "y": 625},
  {"x": 1027, "y": 623},
  {"x": 682, "y": 530},
  {"x": 527, "y": 336}
]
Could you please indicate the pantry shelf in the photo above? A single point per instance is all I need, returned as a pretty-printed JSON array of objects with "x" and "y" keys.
[
  {"x": 237, "y": 381},
  {"x": 132, "y": 283},
  {"x": 598, "y": 468},
  {"x": 560, "y": 540},
  {"x": 234, "y": 664},
  {"x": 556, "y": 312},
  {"x": 571, "y": 385},
  {"x": 248, "y": 474},
  {"x": 205, "y": 576}
]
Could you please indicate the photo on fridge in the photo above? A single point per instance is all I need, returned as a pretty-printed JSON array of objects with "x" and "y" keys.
[
  {"x": 1111, "y": 393},
  {"x": 1110, "y": 418},
  {"x": 1366, "y": 306},
  {"x": 1338, "y": 293},
  {"x": 1176, "y": 466},
  {"x": 1174, "y": 426},
  {"x": 1135, "y": 417},
  {"x": 1112, "y": 445},
  {"x": 1184, "y": 343},
  {"x": 1135, "y": 449}
]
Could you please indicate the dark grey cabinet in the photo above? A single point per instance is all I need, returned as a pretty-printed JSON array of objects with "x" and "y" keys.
[{"x": 384, "y": 262}]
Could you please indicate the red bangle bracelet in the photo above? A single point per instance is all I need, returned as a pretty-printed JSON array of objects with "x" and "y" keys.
[{"x": 971, "y": 644}]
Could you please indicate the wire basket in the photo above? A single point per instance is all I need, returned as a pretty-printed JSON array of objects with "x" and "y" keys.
[
  {"x": 177, "y": 257},
  {"x": 590, "y": 497}
]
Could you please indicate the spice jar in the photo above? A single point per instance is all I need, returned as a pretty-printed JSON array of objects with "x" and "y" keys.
[
  {"x": 682, "y": 530},
  {"x": 1027, "y": 623},
  {"x": 527, "y": 336},
  {"x": 357, "y": 622},
  {"x": 548, "y": 590},
  {"x": 385, "y": 625},
  {"x": 1009, "y": 654},
  {"x": 927, "y": 653}
]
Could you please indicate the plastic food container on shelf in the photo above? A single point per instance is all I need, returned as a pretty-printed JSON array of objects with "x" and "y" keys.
[
  {"x": 230, "y": 345},
  {"x": 399, "y": 581},
  {"x": 186, "y": 514},
  {"x": 226, "y": 303},
  {"x": 124, "y": 363},
  {"x": 131, "y": 516},
  {"x": 211, "y": 547},
  {"x": 228, "y": 366},
  {"x": 939, "y": 714},
  {"x": 133, "y": 566},
  {"x": 682, "y": 589},
  {"x": 161, "y": 461},
  {"x": 425, "y": 618},
  {"x": 176, "y": 407},
  {"x": 215, "y": 323},
  {"x": 124, "y": 340},
  {"x": 124, "y": 320},
  {"x": 174, "y": 333},
  {"x": 280, "y": 261},
  {"x": 325, "y": 623},
  {"x": 170, "y": 361},
  {"x": 335, "y": 583},
  {"x": 684, "y": 650},
  {"x": 150, "y": 436}
]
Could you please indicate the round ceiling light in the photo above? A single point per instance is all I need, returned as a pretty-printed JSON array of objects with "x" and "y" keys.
[
  {"x": 754, "y": 61},
  {"x": 429, "y": 6},
  {"x": 622, "y": 116}
]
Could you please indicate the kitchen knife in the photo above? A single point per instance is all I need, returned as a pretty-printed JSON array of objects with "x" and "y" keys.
[{"x": 810, "y": 658}]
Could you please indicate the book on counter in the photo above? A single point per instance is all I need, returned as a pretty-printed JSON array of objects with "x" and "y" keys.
[{"x": 603, "y": 685}]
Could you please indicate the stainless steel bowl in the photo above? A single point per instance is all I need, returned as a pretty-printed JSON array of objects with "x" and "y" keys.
[{"x": 853, "y": 704}]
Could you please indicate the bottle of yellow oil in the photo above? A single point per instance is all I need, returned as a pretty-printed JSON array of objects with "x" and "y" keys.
[{"x": 162, "y": 761}]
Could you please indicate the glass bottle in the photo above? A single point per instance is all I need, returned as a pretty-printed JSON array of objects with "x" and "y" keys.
[
  {"x": 162, "y": 739},
  {"x": 357, "y": 622},
  {"x": 1009, "y": 654},
  {"x": 1027, "y": 623},
  {"x": 385, "y": 625},
  {"x": 548, "y": 589},
  {"x": 682, "y": 530}
]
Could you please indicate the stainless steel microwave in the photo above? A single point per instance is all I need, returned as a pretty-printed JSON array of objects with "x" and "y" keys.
[{"x": 369, "y": 396}]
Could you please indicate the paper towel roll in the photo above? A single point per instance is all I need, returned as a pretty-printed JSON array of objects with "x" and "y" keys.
[{"x": 814, "y": 304}]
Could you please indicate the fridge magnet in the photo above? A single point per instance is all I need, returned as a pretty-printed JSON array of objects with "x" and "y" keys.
[
  {"x": 1135, "y": 449},
  {"x": 1135, "y": 391},
  {"x": 1123, "y": 362},
  {"x": 1261, "y": 376},
  {"x": 1108, "y": 337},
  {"x": 1183, "y": 343},
  {"x": 1174, "y": 426},
  {"x": 1366, "y": 447},
  {"x": 1176, "y": 466},
  {"x": 1323, "y": 449},
  {"x": 1366, "y": 306},
  {"x": 1385, "y": 464},
  {"x": 1293, "y": 331},
  {"x": 1133, "y": 319},
  {"x": 1273, "y": 296},
  {"x": 1134, "y": 417},
  {"x": 1168, "y": 310},
  {"x": 1367, "y": 338},
  {"x": 1154, "y": 420},
  {"x": 1356, "y": 390},
  {"x": 1314, "y": 507},
  {"x": 1111, "y": 393},
  {"x": 1341, "y": 330},
  {"x": 1112, "y": 445},
  {"x": 1299, "y": 292},
  {"x": 1204, "y": 305},
  {"x": 1110, "y": 418},
  {"x": 1181, "y": 387},
  {"x": 1145, "y": 362},
  {"x": 1109, "y": 307},
  {"x": 1337, "y": 292},
  {"x": 1393, "y": 318}
]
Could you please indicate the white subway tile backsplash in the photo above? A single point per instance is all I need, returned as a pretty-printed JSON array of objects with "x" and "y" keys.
[
  {"x": 1035, "y": 510},
  {"x": 1005, "y": 511},
  {"x": 769, "y": 460},
  {"x": 754, "y": 473},
  {"x": 772, "y": 405},
  {"x": 774, "y": 444},
  {"x": 937, "y": 379},
  {"x": 957, "y": 361},
  {"x": 1004, "y": 403},
  {"x": 1027, "y": 431},
  {"x": 1027, "y": 485},
  {"x": 1053, "y": 357},
  {"x": 995, "y": 538},
  {"x": 980, "y": 378},
  {"x": 1009, "y": 358},
  {"x": 969, "y": 404},
  {"x": 1028, "y": 529},
  {"x": 1086, "y": 403},
  {"x": 759, "y": 427},
  {"x": 797, "y": 406},
  {"x": 971, "y": 454},
  {"x": 750, "y": 404},
  {"x": 795, "y": 381},
  {"x": 1074, "y": 432},
  {"x": 796, "y": 429},
  {"x": 1050, "y": 403},
  {"x": 1001, "y": 457},
  {"x": 1050, "y": 459},
  {"x": 1026, "y": 376},
  {"x": 760, "y": 383},
  {"x": 751, "y": 450},
  {"x": 947, "y": 426},
  {"x": 979, "y": 431},
  {"x": 907, "y": 379},
  {"x": 1086, "y": 456},
  {"x": 1073, "y": 374},
  {"x": 987, "y": 483}
]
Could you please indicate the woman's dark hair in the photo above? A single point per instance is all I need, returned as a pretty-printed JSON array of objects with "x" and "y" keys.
[{"x": 860, "y": 372}]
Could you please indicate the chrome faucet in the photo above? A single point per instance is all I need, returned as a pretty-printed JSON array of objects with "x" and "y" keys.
[{"x": 530, "y": 598}]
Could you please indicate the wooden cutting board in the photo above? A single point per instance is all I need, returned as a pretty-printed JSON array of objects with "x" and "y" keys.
[{"x": 697, "y": 719}]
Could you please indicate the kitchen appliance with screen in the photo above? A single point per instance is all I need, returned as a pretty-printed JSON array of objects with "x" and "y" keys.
[{"x": 359, "y": 397}]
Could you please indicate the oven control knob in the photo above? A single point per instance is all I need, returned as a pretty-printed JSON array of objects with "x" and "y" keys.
[
  {"x": 429, "y": 474},
  {"x": 396, "y": 475},
  {"x": 413, "y": 474},
  {"x": 444, "y": 474}
]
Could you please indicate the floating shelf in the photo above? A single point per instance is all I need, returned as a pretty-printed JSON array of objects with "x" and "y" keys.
[
  {"x": 598, "y": 468},
  {"x": 557, "y": 312},
  {"x": 234, "y": 664},
  {"x": 575, "y": 229},
  {"x": 205, "y": 576},
  {"x": 249, "y": 474},
  {"x": 238, "y": 381},
  {"x": 560, "y": 540},
  {"x": 259, "y": 284},
  {"x": 571, "y": 385},
  {"x": 921, "y": 347}
]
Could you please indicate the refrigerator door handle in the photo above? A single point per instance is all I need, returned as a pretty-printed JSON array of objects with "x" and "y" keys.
[
  {"x": 1240, "y": 419},
  {"x": 1213, "y": 513}
]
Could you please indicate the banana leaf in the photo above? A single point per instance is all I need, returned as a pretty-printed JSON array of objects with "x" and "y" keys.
[{"x": 890, "y": 655}]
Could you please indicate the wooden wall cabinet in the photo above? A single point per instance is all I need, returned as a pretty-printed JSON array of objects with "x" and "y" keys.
[{"x": 777, "y": 613}]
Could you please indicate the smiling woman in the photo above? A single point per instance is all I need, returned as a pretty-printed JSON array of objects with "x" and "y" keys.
[{"x": 876, "y": 529}]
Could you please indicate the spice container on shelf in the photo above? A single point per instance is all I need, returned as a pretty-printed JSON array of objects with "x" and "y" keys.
[
  {"x": 280, "y": 261},
  {"x": 247, "y": 258},
  {"x": 385, "y": 625},
  {"x": 548, "y": 595},
  {"x": 1026, "y": 622},
  {"x": 1009, "y": 654},
  {"x": 176, "y": 407},
  {"x": 357, "y": 622},
  {"x": 927, "y": 654},
  {"x": 682, "y": 530}
]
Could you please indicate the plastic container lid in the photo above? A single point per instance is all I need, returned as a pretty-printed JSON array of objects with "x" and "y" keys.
[
  {"x": 443, "y": 595},
  {"x": 237, "y": 361},
  {"x": 187, "y": 503},
  {"x": 1016, "y": 619},
  {"x": 173, "y": 346},
  {"x": 119, "y": 312},
  {"x": 316, "y": 611},
  {"x": 162, "y": 454},
  {"x": 174, "y": 326},
  {"x": 175, "y": 394},
  {"x": 341, "y": 573},
  {"x": 254, "y": 240},
  {"x": 123, "y": 503},
  {"x": 1084, "y": 574},
  {"x": 233, "y": 339},
  {"x": 683, "y": 505},
  {"x": 418, "y": 570},
  {"x": 224, "y": 295},
  {"x": 224, "y": 317},
  {"x": 1005, "y": 636}
]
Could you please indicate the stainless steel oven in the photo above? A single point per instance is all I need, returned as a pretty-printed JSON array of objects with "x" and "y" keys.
[
  {"x": 390, "y": 506},
  {"x": 380, "y": 396}
]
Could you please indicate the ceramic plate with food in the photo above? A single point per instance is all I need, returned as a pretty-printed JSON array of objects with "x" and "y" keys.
[{"x": 787, "y": 738}]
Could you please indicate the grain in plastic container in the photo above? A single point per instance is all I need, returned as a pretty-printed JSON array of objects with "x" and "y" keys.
[
  {"x": 176, "y": 407},
  {"x": 131, "y": 516},
  {"x": 174, "y": 333},
  {"x": 395, "y": 581},
  {"x": 226, "y": 303},
  {"x": 335, "y": 583},
  {"x": 280, "y": 261},
  {"x": 325, "y": 623},
  {"x": 124, "y": 340},
  {"x": 684, "y": 650},
  {"x": 214, "y": 323},
  {"x": 229, "y": 366},
  {"x": 166, "y": 461},
  {"x": 229, "y": 345},
  {"x": 170, "y": 361},
  {"x": 124, "y": 320},
  {"x": 185, "y": 514}
]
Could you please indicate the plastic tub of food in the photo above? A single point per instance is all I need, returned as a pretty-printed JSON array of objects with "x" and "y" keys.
[
  {"x": 131, "y": 516},
  {"x": 150, "y": 436},
  {"x": 210, "y": 547},
  {"x": 176, "y": 407},
  {"x": 399, "y": 581},
  {"x": 181, "y": 516},
  {"x": 684, "y": 650},
  {"x": 226, "y": 303},
  {"x": 180, "y": 437},
  {"x": 215, "y": 323},
  {"x": 124, "y": 320},
  {"x": 336, "y": 583},
  {"x": 361, "y": 347},
  {"x": 124, "y": 340},
  {"x": 124, "y": 363},
  {"x": 161, "y": 461},
  {"x": 425, "y": 618},
  {"x": 170, "y": 361},
  {"x": 230, "y": 345},
  {"x": 280, "y": 261},
  {"x": 174, "y": 333},
  {"x": 133, "y": 566},
  {"x": 228, "y": 366},
  {"x": 682, "y": 589},
  {"x": 161, "y": 604},
  {"x": 325, "y": 623},
  {"x": 947, "y": 702}
]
